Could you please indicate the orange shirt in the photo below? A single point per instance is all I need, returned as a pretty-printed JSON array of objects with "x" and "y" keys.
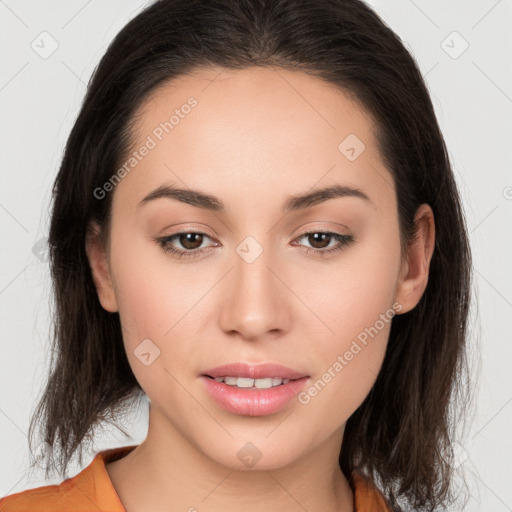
[{"x": 91, "y": 490}]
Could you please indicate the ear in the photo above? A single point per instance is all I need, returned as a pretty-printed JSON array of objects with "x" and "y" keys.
[
  {"x": 413, "y": 277},
  {"x": 98, "y": 261}
]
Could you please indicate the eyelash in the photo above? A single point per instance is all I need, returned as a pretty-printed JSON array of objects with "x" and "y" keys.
[{"x": 165, "y": 244}]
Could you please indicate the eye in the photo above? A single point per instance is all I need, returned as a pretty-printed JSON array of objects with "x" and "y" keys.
[
  {"x": 191, "y": 241},
  {"x": 321, "y": 239}
]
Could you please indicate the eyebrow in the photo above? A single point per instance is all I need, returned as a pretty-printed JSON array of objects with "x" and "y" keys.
[{"x": 293, "y": 203}]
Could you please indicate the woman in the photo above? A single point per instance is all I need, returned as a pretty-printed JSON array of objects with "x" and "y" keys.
[{"x": 256, "y": 225}]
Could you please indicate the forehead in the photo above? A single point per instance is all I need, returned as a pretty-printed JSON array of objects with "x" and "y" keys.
[{"x": 258, "y": 130}]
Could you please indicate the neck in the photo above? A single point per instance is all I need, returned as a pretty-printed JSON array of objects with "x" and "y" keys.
[{"x": 166, "y": 472}]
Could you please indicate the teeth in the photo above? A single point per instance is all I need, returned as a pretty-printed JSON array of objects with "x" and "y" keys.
[
  {"x": 266, "y": 383},
  {"x": 244, "y": 382}
]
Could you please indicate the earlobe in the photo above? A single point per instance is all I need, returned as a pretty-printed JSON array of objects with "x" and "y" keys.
[
  {"x": 98, "y": 262},
  {"x": 413, "y": 278}
]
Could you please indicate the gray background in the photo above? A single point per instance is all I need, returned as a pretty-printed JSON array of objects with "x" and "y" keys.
[{"x": 42, "y": 81}]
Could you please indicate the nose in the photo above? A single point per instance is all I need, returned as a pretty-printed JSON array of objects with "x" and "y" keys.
[{"x": 255, "y": 300}]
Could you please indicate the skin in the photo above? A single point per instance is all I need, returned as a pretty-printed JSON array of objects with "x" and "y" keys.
[{"x": 256, "y": 137}]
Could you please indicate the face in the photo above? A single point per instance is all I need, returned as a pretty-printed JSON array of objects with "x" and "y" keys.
[{"x": 249, "y": 275}]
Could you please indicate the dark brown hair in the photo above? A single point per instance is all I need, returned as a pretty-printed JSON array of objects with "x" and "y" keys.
[{"x": 400, "y": 434}]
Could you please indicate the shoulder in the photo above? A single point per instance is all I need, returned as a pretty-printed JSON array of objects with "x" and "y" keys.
[
  {"x": 38, "y": 499},
  {"x": 91, "y": 489},
  {"x": 367, "y": 498},
  {"x": 55, "y": 498}
]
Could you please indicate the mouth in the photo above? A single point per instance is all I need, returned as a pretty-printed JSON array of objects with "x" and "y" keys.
[
  {"x": 253, "y": 389},
  {"x": 248, "y": 383}
]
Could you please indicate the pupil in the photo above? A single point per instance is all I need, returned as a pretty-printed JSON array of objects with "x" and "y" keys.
[
  {"x": 318, "y": 239},
  {"x": 190, "y": 244}
]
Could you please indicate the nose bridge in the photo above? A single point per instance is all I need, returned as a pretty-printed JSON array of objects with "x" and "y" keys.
[
  {"x": 255, "y": 304},
  {"x": 252, "y": 262}
]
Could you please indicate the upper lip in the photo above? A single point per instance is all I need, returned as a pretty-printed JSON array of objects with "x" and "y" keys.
[{"x": 254, "y": 371}]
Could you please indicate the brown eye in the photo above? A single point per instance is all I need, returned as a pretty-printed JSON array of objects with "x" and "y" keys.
[
  {"x": 320, "y": 240},
  {"x": 191, "y": 241},
  {"x": 184, "y": 244},
  {"x": 317, "y": 240}
]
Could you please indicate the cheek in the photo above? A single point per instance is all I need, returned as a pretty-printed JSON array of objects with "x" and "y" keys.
[
  {"x": 348, "y": 294},
  {"x": 141, "y": 294},
  {"x": 161, "y": 301},
  {"x": 353, "y": 301},
  {"x": 152, "y": 291},
  {"x": 349, "y": 360}
]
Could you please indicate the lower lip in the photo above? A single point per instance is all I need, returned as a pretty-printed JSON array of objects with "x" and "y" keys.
[{"x": 253, "y": 402}]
